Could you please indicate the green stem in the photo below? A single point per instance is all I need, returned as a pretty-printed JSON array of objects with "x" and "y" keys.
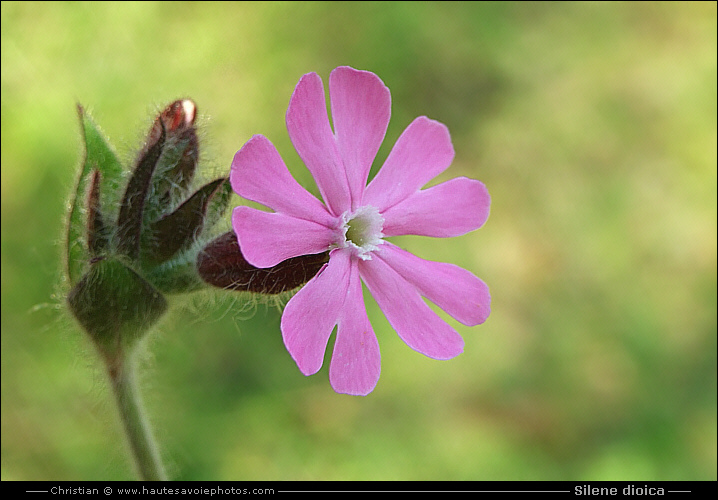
[{"x": 123, "y": 375}]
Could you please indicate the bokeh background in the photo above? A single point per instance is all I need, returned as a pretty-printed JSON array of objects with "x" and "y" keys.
[{"x": 593, "y": 126}]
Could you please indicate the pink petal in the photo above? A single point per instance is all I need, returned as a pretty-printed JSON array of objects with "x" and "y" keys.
[
  {"x": 422, "y": 152},
  {"x": 259, "y": 174},
  {"x": 356, "y": 362},
  {"x": 361, "y": 107},
  {"x": 449, "y": 209},
  {"x": 417, "y": 325},
  {"x": 267, "y": 238},
  {"x": 309, "y": 130},
  {"x": 455, "y": 290},
  {"x": 310, "y": 316}
]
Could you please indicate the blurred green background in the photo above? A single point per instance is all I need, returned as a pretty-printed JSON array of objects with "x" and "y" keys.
[{"x": 594, "y": 128}]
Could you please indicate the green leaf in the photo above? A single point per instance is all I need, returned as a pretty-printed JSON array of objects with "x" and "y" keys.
[{"x": 100, "y": 156}]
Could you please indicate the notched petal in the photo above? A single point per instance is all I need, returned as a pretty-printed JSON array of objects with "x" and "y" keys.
[
  {"x": 361, "y": 107},
  {"x": 417, "y": 325},
  {"x": 356, "y": 361}
]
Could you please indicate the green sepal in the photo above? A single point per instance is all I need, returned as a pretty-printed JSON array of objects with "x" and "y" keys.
[
  {"x": 100, "y": 156},
  {"x": 97, "y": 230},
  {"x": 115, "y": 305},
  {"x": 217, "y": 205}
]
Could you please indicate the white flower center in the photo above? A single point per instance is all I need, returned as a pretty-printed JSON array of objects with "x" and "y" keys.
[{"x": 361, "y": 231}]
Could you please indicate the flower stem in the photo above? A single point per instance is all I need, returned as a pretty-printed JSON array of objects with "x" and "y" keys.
[{"x": 123, "y": 375}]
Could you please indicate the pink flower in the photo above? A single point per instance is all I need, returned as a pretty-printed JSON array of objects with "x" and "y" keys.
[{"x": 353, "y": 223}]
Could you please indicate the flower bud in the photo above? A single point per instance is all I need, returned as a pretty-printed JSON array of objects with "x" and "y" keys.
[
  {"x": 120, "y": 262},
  {"x": 176, "y": 231},
  {"x": 180, "y": 154},
  {"x": 129, "y": 222}
]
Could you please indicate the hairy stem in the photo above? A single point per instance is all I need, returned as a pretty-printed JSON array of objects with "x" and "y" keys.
[{"x": 123, "y": 375}]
